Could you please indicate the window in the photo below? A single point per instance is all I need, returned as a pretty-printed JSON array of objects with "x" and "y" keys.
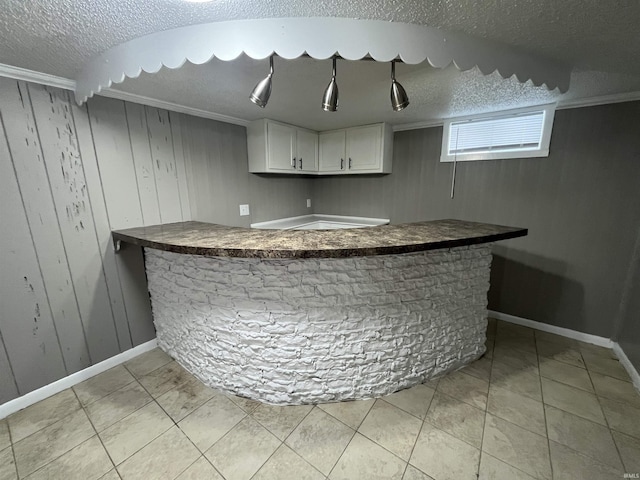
[{"x": 519, "y": 133}]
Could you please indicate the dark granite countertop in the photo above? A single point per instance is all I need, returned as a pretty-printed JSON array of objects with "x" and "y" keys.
[{"x": 198, "y": 238}]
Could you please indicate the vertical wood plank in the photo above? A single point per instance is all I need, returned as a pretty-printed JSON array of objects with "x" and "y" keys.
[
  {"x": 101, "y": 221},
  {"x": 175, "y": 121},
  {"x": 161, "y": 145},
  {"x": 145, "y": 172},
  {"x": 24, "y": 145},
  {"x": 28, "y": 330},
  {"x": 73, "y": 206},
  {"x": 113, "y": 152},
  {"x": 8, "y": 385}
]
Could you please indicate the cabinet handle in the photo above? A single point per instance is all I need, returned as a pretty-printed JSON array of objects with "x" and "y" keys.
[
  {"x": 349, "y": 163},
  {"x": 300, "y": 163},
  {"x": 342, "y": 164},
  {"x": 293, "y": 162}
]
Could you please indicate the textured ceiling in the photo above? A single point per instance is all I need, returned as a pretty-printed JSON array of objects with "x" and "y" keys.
[{"x": 599, "y": 40}]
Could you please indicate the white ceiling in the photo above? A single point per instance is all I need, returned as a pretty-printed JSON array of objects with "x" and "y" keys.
[{"x": 599, "y": 40}]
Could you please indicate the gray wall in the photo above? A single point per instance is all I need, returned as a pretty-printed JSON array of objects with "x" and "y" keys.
[
  {"x": 581, "y": 205},
  {"x": 68, "y": 176},
  {"x": 219, "y": 181}
]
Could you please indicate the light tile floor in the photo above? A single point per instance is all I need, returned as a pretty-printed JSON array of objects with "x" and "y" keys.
[{"x": 534, "y": 406}]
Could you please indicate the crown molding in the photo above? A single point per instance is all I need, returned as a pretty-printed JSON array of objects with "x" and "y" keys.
[
  {"x": 18, "y": 73},
  {"x": 599, "y": 100}
]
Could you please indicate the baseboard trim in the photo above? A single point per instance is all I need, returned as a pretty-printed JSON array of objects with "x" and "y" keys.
[
  {"x": 583, "y": 337},
  {"x": 41, "y": 393},
  {"x": 626, "y": 363},
  {"x": 545, "y": 327}
]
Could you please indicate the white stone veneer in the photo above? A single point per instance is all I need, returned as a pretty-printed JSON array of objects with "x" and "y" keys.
[{"x": 318, "y": 330}]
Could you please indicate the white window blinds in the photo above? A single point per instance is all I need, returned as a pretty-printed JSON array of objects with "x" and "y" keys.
[{"x": 515, "y": 135}]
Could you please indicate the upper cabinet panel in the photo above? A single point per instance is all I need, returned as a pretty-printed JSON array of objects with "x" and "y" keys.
[{"x": 275, "y": 147}]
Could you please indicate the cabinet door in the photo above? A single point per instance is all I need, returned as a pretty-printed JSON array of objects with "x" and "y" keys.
[
  {"x": 332, "y": 152},
  {"x": 307, "y": 151},
  {"x": 280, "y": 147},
  {"x": 364, "y": 148}
]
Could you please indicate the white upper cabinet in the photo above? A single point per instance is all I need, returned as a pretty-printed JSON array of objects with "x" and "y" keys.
[
  {"x": 275, "y": 147},
  {"x": 366, "y": 149}
]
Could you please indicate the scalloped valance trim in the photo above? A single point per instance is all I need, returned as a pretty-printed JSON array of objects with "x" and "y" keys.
[{"x": 319, "y": 38}]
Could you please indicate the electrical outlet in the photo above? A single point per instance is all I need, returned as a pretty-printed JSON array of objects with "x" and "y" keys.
[
  {"x": 308, "y": 203},
  {"x": 244, "y": 210}
]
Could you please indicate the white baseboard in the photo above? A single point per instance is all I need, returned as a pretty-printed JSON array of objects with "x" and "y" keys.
[
  {"x": 545, "y": 327},
  {"x": 583, "y": 337},
  {"x": 30, "y": 398},
  {"x": 626, "y": 363}
]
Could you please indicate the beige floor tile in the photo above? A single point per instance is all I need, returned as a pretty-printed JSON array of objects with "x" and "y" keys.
[
  {"x": 7, "y": 465},
  {"x": 165, "y": 378},
  {"x": 414, "y": 400},
  {"x": 210, "y": 422},
  {"x": 112, "y": 408},
  {"x": 184, "y": 399},
  {"x": 87, "y": 461},
  {"x": 493, "y": 469},
  {"x": 41, "y": 414},
  {"x": 147, "y": 362},
  {"x": 242, "y": 451},
  {"x": 605, "y": 366},
  {"x": 103, "y": 384},
  {"x": 350, "y": 413},
  {"x": 432, "y": 383},
  {"x": 443, "y": 456},
  {"x": 519, "y": 344},
  {"x": 557, "y": 339},
  {"x": 582, "y": 435},
  {"x": 564, "y": 373},
  {"x": 516, "y": 357},
  {"x": 412, "y": 473},
  {"x": 201, "y": 469},
  {"x": 162, "y": 459},
  {"x": 464, "y": 387},
  {"x": 481, "y": 368},
  {"x": 320, "y": 439},
  {"x": 515, "y": 408},
  {"x": 615, "y": 389},
  {"x": 286, "y": 465},
  {"x": 111, "y": 475},
  {"x": 524, "y": 381},
  {"x": 570, "y": 465},
  {"x": 516, "y": 446},
  {"x": 629, "y": 448},
  {"x": 622, "y": 416},
  {"x": 457, "y": 418},
  {"x": 572, "y": 400},
  {"x": 5, "y": 438},
  {"x": 47, "y": 444},
  {"x": 280, "y": 420},
  {"x": 561, "y": 353},
  {"x": 365, "y": 459},
  {"x": 506, "y": 329},
  {"x": 489, "y": 345},
  {"x": 127, "y": 436},
  {"x": 246, "y": 404},
  {"x": 591, "y": 349},
  {"x": 392, "y": 428}
]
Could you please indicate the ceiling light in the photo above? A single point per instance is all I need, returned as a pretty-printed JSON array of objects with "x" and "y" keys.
[
  {"x": 262, "y": 91},
  {"x": 330, "y": 97},
  {"x": 399, "y": 98}
]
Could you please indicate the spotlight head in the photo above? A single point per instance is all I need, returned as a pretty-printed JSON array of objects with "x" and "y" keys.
[{"x": 399, "y": 97}]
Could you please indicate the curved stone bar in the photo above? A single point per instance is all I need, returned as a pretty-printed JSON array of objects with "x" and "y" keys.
[{"x": 295, "y": 329}]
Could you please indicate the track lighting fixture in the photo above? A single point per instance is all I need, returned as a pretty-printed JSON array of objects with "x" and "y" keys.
[
  {"x": 399, "y": 98},
  {"x": 262, "y": 91},
  {"x": 330, "y": 97}
]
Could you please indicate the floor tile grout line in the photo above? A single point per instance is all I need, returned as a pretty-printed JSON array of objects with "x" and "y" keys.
[
  {"x": 484, "y": 420},
  {"x": 418, "y": 436},
  {"x": 544, "y": 411}
]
